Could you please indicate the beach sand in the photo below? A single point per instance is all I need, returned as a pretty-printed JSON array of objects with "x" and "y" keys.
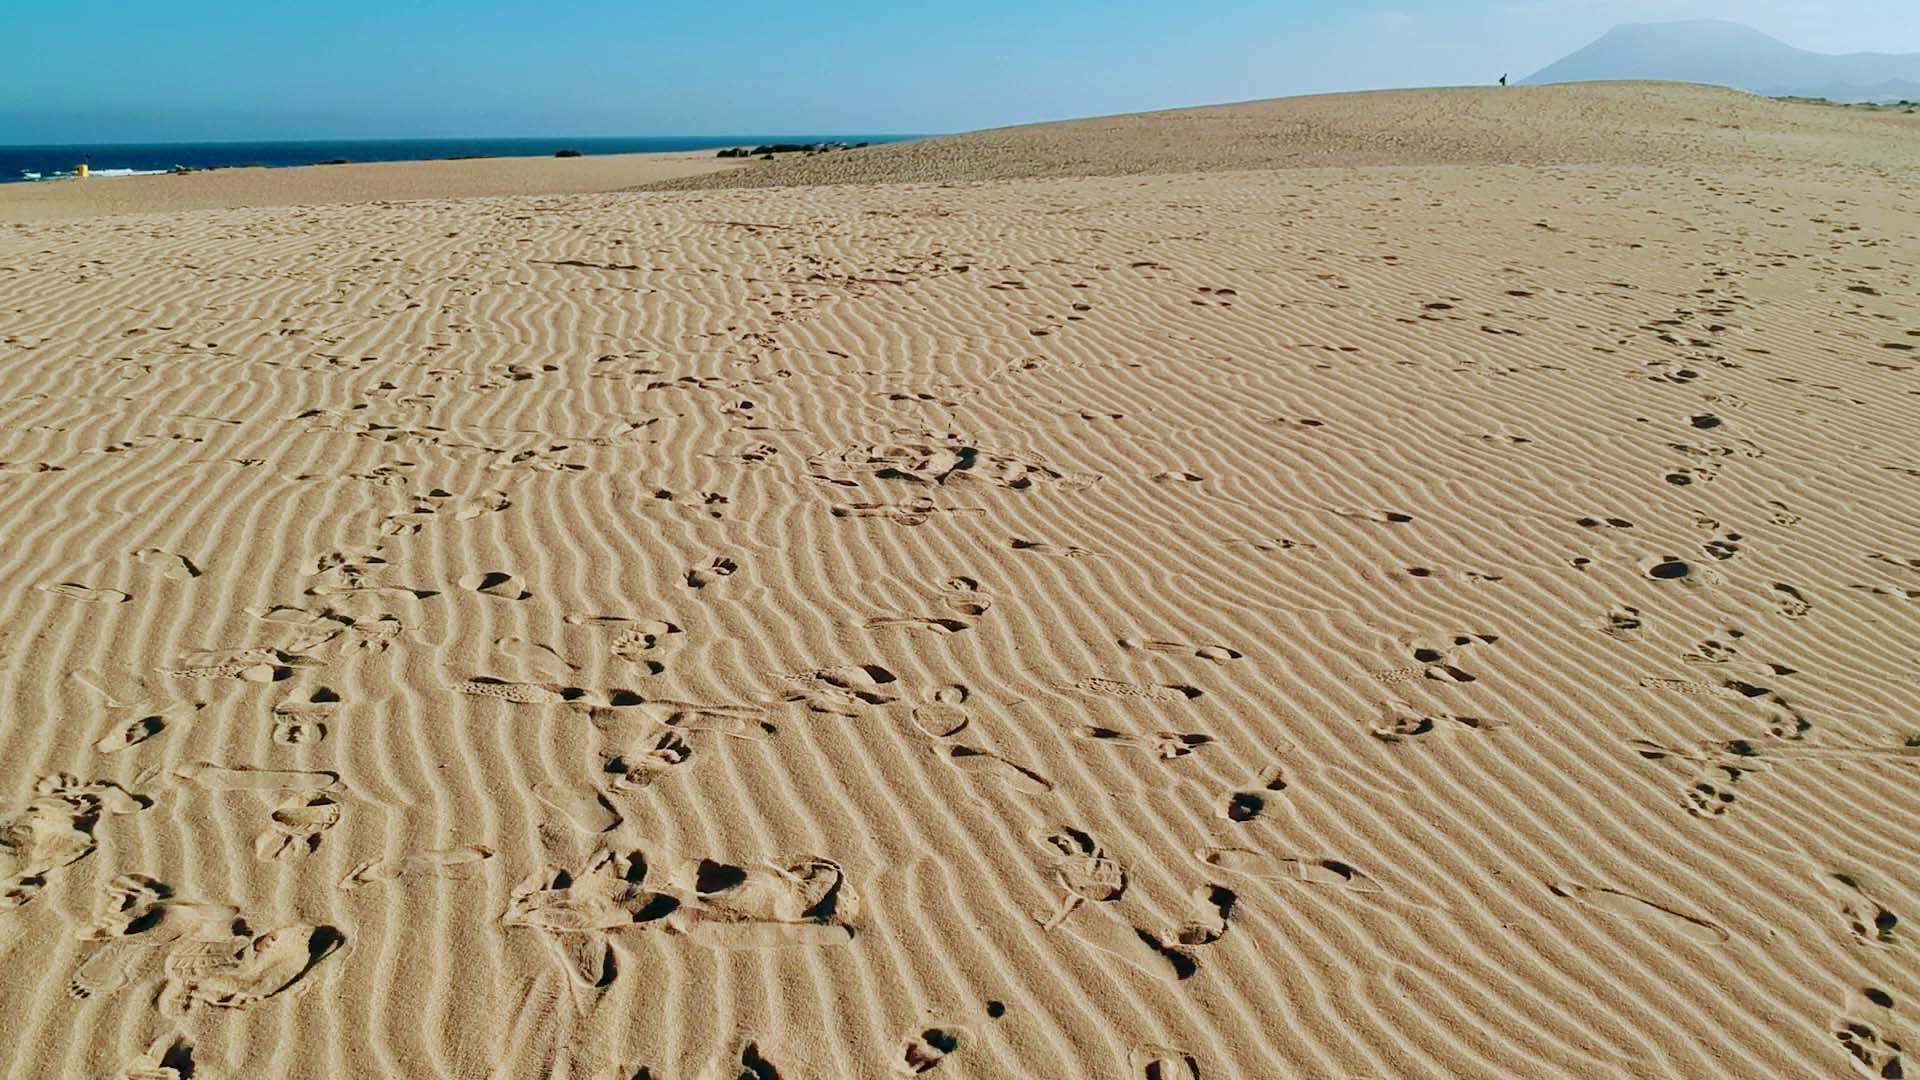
[
  {"x": 1411, "y": 616},
  {"x": 359, "y": 183}
]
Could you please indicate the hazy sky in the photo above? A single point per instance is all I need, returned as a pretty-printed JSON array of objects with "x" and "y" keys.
[{"x": 118, "y": 70}]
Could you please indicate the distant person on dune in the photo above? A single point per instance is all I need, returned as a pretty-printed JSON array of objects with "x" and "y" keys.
[{"x": 1503, "y": 80}]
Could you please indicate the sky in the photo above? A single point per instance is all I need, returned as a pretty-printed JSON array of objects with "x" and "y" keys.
[{"x": 80, "y": 71}]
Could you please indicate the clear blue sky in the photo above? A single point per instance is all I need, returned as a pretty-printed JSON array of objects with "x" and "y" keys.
[{"x": 120, "y": 70}]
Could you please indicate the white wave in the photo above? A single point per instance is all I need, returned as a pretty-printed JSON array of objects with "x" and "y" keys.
[{"x": 69, "y": 174}]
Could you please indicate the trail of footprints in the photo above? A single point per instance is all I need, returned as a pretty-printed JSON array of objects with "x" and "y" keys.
[
  {"x": 206, "y": 956},
  {"x": 589, "y": 915}
]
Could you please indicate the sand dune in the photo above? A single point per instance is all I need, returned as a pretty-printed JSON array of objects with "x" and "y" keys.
[
  {"x": 1453, "y": 620},
  {"x": 1645, "y": 124}
]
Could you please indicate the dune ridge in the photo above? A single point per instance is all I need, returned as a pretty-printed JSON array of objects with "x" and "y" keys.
[
  {"x": 1648, "y": 124},
  {"x": 1394, "y": 622}
]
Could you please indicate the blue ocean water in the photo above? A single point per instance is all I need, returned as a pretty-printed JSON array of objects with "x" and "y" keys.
[{"x": 131, "y": 159}]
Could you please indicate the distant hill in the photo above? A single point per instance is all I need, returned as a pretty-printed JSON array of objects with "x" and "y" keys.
[{"x": 1729, "y": 54}]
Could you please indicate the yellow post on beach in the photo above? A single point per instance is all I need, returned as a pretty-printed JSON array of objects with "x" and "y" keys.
[{"x": 80, "y": 170}]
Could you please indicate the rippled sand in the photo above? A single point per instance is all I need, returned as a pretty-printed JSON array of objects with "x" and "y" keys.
[{"x": 1415, "y": 616}]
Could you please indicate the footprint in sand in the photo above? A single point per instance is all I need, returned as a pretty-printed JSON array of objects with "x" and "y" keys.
[
  {"x": 1399, "y": 722},
  {"x": 540, "y": 659},
  {"x": 926, "y": 1049},
  {"x": 1165, "y": 745},
  {"x": 298, "y": 721},
  {"x": 842, "y": 691},
  {"x": 516, "y": 693},
  {"x": 206, "y": 954},
  {"x": 1082, "y": 871},
  {"x": 924, "y": 623},
  {"x": 1676, "y": 569},
  {"x": 965, "y": 596},
  {"x": 374, "y": 631},
  {"x": 1219, "y": 654},
  {"x": 982, "y": 764},
  {"x": 641, "y": 636},
  {"x": 495, "y": 583},
  {"x": 55, "y": 829},
  {"x": 544, "y": 693},
  {"x": 1213, "y": 907},
  {"x": 1166, "y": 955},
  {"x": 238, "y": 971},
  {"x": 452, "y": 864},
  {"x": 138, "y": 917},
  {"x": 1266, "y": 867},
  {"x": 247, "y": 778},
  {"x": 97, "y": 686},
  {"x": 1871, "y": 1053},
  {"x": 1139, "y": 691},
  {"x": 1627, "y": 905},
  {"x": 1250, "y": 803},
  {"x": 168, "y": 1057},
  {"x": 86, "y": 594},
  {"x": 798, "y": 900},
  {"x": 749, "y": 1064},
  {"x": 1790, "y": 603},
  {"x": 1433, "y": 656},
  {"x": 718, "y": 568},
  {"x": 124, "y": 733},
  {"x": 440, "y": 503},
  {"x": 295, "y": 826},
  {"x": 1708, "y": 774},
  {"x": 646, "y": 743},
  {"x": 254, "y": 665},
  {"x": 1092, "y": 885},
  {"x": 1161, "y": 1063},
  {"x": 578, "y": 910},
  {"x": 1857, "y": 895},
  {"x": 1378, "y": 517},
  {"x": 641, "y": 764},
  {"x": 944, "y": 714},
  {"x": 1106, "y": 930},
  {"x": 586, "y": 810},
  {"x": 167, "y": 564},
  {"x": 1041, "y": 547}
]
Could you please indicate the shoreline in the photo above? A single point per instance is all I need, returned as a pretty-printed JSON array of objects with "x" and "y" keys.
[
  {"x": 39, "y": 163},
  {"x": 71, "y": 198}
]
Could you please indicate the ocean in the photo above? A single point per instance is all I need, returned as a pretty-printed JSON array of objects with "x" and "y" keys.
[{"x": 26, "y": 163}]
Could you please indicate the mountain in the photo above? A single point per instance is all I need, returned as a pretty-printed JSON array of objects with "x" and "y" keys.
[{"x": 1730, "y": 54}]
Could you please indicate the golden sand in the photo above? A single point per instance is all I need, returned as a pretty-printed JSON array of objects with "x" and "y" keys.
[
  {"x": 1418, "y": 615},
  {"x": 328, "y": 184}
]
